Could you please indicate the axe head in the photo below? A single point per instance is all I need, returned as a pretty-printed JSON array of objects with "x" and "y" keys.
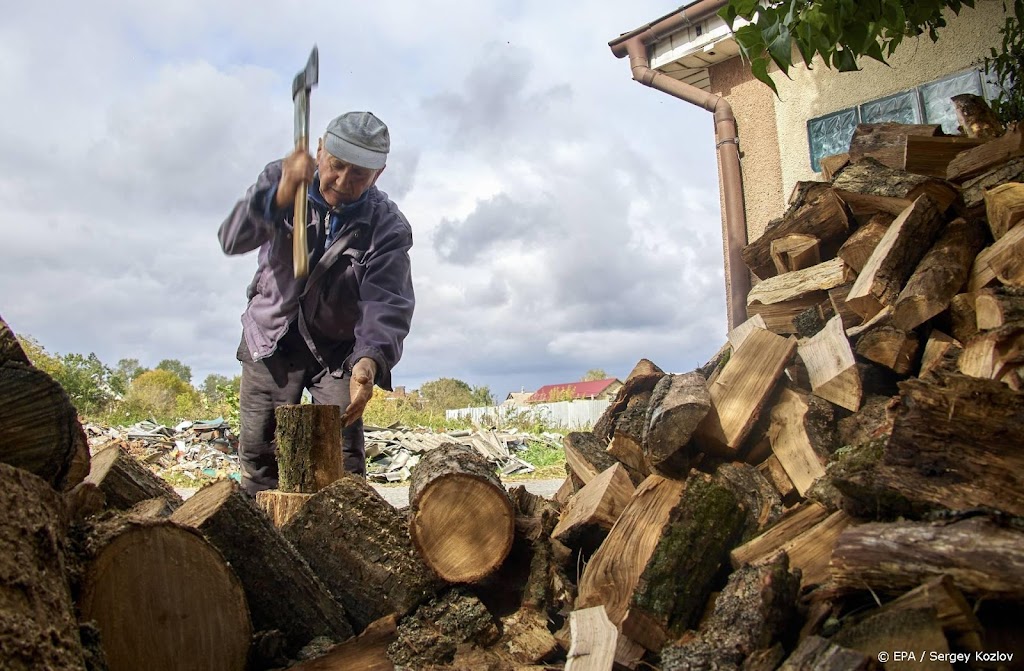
[{"x": 308, "y": 76}]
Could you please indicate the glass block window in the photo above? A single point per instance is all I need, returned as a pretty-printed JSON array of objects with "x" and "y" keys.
[
  {"x": 928, "y": 103},
  {"x": 830, "y": 134}
]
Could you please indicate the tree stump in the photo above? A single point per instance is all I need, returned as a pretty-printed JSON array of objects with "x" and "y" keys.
[
  {"x": 359, "y": 546},
  {"x": 162, "y": 597},
  {"x": 267, "y": 565},
  {"x": 308, "y": 447},
  {"x": 461, "y": 521},
  {"x": 125, "y": 482},
  {"x": 38, "y": 629},
  {"x": 280, "y": 506}
]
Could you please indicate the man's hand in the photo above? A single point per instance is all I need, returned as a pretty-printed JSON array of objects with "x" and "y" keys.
[
  {"x": 360, "y": 390},
  {"x": 296, "y": 169}
]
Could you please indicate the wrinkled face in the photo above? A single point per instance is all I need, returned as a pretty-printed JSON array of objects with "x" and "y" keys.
[{"x": 342, "y": 183}]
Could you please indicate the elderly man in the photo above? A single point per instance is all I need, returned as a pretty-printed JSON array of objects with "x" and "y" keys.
[{"x": 338, "y": 331}]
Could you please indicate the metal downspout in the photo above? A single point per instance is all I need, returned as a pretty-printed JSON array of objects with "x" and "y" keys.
[{"x": 726, "y": 144}]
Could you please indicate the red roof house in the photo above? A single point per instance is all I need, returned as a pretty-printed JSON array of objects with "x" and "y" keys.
[{"x": 591, "y": 389}]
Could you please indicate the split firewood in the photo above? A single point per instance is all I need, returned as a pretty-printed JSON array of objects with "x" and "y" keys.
[
  {"x": 38, "y": 628},
  {"x": 932, "y": 155},
  {"x": 887, "y": 142},
  {"x": 814, "y": 211},
  {"x": 797, "y": 376},
  {"x": 755, "y": 495},
  {"x": 586, "y": 455},
  {"x": 367, "y": 652},
  {"x": 653, "y": 572},
  {"x": 994, "y": 354},
  {"x": 796, "y": 285},
  {"x": 461, "y": 519},
  {"x": 678, "y": 405},
  {"x": 1004, "y": 207},
  {"x": 976, "y": 117},
  {"x": 882, "y": 318},
  {"x": 158, "y": 591},
  {"x": 889, "y": 346},
  {"x": 800, "y": 519},
  {"x": 435, "y": 632},
  {"x": 873, "y": 421},
  {"x": 308, "y": 447},
  {"x": 868, "y": 187},
  {"x": 740, "y": 333},
  {"x": 565, "y": 491},
  {"x": 856, "y": 251},
  {"x": 740, "y": 392},
  {"x": 905, "y": 242},
  {"x": 983, "y": 557},
  {"x": 590, "y": 514},
  {"x": 940, "y": 274},
  {"x": 594, "y": 640},
  {"x": 831, "y": 165},
  {"x": 150, "y": 509},
  {"x": 832, "y": 367},
  {"x": 755, "y": 609},
  {"x": 820, "y": 654},
  {"x": 955, "y": 615},
  {"x": 795, "y": 252},
  {"x": 809, "y": 550},
  {"x": 538, "y": 561},
  {"x": 837, "y": 297},
  {"x": 280, "y": 506},
  {"x": 915, "y": 630},
  {"x": 936, "y": 350},
  {"x": 813, "y": 319},
  {"x": 794, "y": 434},
  {"x": 997, "y": 307},
  {"x": 973, "y": 190},
  {"x": 771, "y": 468},
  {"x": 628, "y": 436},
  {"x": 963, "y": 318},
  {"x": 39, "y": 427},
  {"x": 125, "y": 482},
  {"x": 359, "y": 547},
  {"x": 781, "y": 318},
  {"x": 643, "y": 377},
  {"x": 991, "y": 154},
  {"x": 1005, "y": 258},
  {"x": 267, "y": 565}
]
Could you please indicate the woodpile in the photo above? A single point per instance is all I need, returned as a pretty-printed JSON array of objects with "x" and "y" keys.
[{"x": 843, "y": 482}]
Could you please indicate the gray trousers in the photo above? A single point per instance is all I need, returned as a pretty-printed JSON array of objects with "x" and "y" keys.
[{"x": 280, "y": 380}]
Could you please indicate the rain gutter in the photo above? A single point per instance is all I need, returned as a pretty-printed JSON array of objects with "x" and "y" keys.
[{"x": 635, "y": 45}]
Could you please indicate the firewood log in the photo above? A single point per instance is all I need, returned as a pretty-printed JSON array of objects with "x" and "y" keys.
[
  {"x": 267, "y": 565},
  {"x": 162, "y": 597},
  {"x": 367, "y": 652},
  {"x": 932, "y": 155},
  {"x": 887, "y": 142},
  {"x": 38, "y": 629},
  {"x": 793, "y": 439},
  {"x": 308, "y": 446},
  {"x": 819, "y": 654},
  {"x": 125, "y": 481},
  {"x": 586, "y": 455},
  {"x": 795, "y": 252},
  {"x": 797, "y": 284},
  {"x": 831, "y": 165},
  {"x": 857, "y": 249},
  {"x": 627, "y": 443},
  {"x": 594, "y": 640},
  {"x": 989, "y": 155},
  {"x": 590, "y": 514},
  {"x": 1004, "y": 207},
  {"x": 915, "y": 631},
  {"x": 10, "y": 348},
  {"x": 889, "y": 346},
  {"x": 832, "y": 367},
  {"x": 281, "y": 506},
  {"x": 359, "y": 547},
  {"x": 678, "y": 405},
  {"x": 994, "y": 354},
  {"x": 643, "y": 377},
  {"x": 955, "y": 614},
  {"x": 974, "y": 189},
  {"x": 868, "y": 187},
  {"x": 939, "y": 349},
  {"x": 997, "y": 307},
  {"x": 434, "y": 632}
]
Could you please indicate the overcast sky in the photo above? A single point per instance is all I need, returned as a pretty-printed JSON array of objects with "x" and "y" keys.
[{"x": 565, "y": 217}]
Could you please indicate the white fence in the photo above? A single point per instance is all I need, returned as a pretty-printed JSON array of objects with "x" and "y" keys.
[{"x": 573, "y": 415}]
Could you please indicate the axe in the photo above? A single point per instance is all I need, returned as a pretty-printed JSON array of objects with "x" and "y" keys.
[{"x": 301, "y": 86}]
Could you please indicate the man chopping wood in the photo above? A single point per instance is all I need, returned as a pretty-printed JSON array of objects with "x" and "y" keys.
[{"x": 337, "y": 330}]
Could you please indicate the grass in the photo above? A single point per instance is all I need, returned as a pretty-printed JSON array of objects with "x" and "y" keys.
[{"x": 546, "y": 458}]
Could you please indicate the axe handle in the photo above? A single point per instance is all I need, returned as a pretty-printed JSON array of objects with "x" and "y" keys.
[{"x": 300, "y": 252}]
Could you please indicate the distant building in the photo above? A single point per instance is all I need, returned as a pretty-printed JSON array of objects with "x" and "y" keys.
[
  {"x": 591, "y": 389},
  {"x": 518, "y": 398}
]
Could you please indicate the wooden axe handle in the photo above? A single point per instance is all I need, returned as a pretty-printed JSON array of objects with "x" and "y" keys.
[{"x": 300, "y": 252}]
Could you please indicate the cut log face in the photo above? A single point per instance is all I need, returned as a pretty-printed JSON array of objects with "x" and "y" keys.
[
  {"x": 781, "y": 318},
  {"x": 267, "y": 565},
  {"x": 831, "y": 165},
  {"x": 868, "y": 187},
  {"x": 308, "y": 446},
  {"x": 163, "y": 599},
  {"x": 940, "y": 275},
  {"x": 678, "y": 405},
  {"x": 1004, "y": 207},
  {"x": 10, "y": 348},
  {"x": 890, "y": 347},
  {"x": 740, "y": 333},
  {"x": 280, "y": 506},
  {"x": 592, "y": 512},
  {"x": 904, "y": 244},
  {"x": 856, "y": 251},
  {"x": 832, "y": 367},
  {"x": 972, "y": 162},
  {"x": 359, "y": 547},
  {"x": 125, "y": 482},
  {"x": 995, "y": 308},
  {"x": 594, "y": 639},
  {"x": 462, "y": 521},
  {"x": 837, "y": 297},
  {"x": 795, "y": 252},
  {"x": 994, "y": 354},
  {"x": 936, "y": 349},
  {"x": 37, "y": 617},
  {"x": 742, "y": 389}
]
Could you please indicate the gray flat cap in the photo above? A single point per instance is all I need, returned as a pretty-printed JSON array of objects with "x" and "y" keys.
[{"x": 358, "y": 138}]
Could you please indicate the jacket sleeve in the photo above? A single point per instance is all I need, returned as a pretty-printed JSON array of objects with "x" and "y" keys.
[
  {"x": 386, "y": 303},
  {"x": 254, "y": 218}
]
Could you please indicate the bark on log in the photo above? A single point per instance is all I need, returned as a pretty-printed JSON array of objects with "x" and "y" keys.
[
  {"x": 38, "y": 629},
  {"x": 975, "y": 116},
  {"x": 359, "y": 546},
  {"x": 932, "y": 155},
  {"x": 973, "y": 162},
  {"x": 628, "y": 436},
  {"x": 125, "y": 482},
  {"x": 973, "y": 190},
  {"x": 819, "y": 654},
  {"x": 856, "y": 251},
  {"x": 757, "y": 497},
  {"x": 39, "y": 428},
  {"x": 997, "y": 307},
  {"x": 816, "y": 211},
  {"x": 678, "y": 404},
  {"x": 868, "y": 187},
  {"x": 367, "y": 652},
  {"x": 586, "y": 455},
  {"x": 831, "y": 165},
  {"x": 308, "y": 447},
  {"x": 983, "y": 558},
  {"x": 756, "y": 608},
  {"x": 10, "y": 347},
  {"x": 162, "y": 597},
  {"x": 781, "y": 318},
  {"x": 832, "y": 367},
  {"x": 887, "y": 142},
  {"x": 904, "y": 244},
  {"x": 963, "y": 320},
  {"x": 643, "y": 377},
  {"x": 433, "y": 634},
  {"x": 813, "y": 319},
  {"x": 267, "y": 565},
  {"x": 590, "y": 514}
]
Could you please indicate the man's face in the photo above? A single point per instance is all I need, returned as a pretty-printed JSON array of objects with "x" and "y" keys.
[{"x": 342, "y": 183}]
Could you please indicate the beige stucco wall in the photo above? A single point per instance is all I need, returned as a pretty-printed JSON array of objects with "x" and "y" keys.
[{"x": 811, "y": 93}]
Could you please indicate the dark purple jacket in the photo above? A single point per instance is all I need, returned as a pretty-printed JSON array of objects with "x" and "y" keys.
[{"x": 357, "y": 300}]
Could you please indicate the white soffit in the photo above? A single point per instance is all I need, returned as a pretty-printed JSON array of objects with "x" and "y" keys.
[{"x": 685, "y": 55}]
